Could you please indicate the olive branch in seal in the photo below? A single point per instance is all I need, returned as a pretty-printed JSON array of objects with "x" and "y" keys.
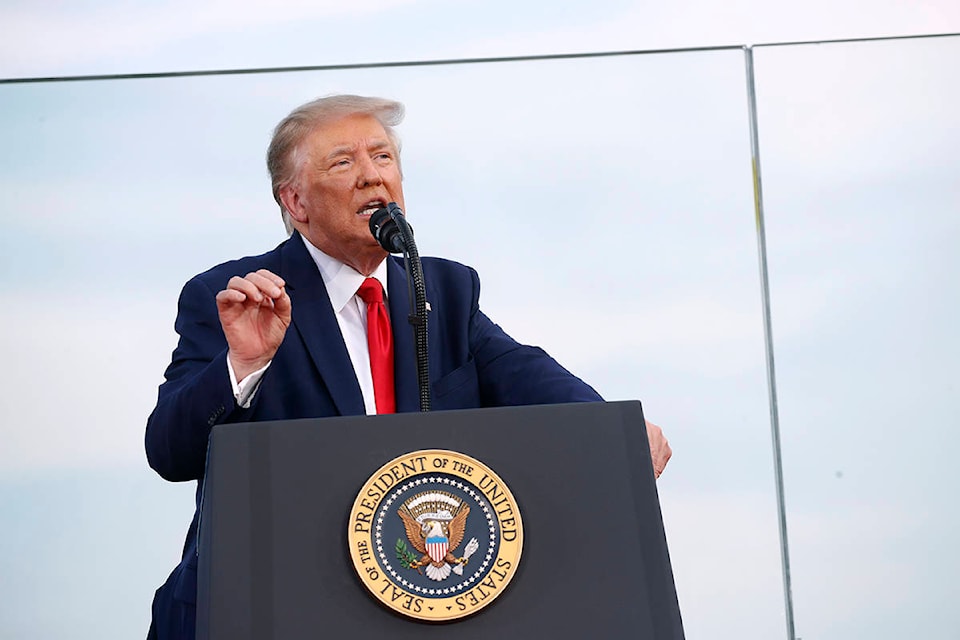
[{"x": 404, "y": 555}]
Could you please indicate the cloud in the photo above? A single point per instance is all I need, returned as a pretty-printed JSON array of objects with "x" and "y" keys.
[
  {"x": 47, "y": 39},
  {"x": 39, "y": 37},
  {"x": 694, "y": 331},
  {"x": 87, "y": 366},
  {"x": 725, "y": 555},
  {"x": 699, "y": 23}
]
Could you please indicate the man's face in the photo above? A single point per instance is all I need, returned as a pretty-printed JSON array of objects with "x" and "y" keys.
[{"x": 349, "y": 169}]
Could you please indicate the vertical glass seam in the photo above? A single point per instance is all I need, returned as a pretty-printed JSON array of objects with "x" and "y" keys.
[{"x": 768, "y": 339}]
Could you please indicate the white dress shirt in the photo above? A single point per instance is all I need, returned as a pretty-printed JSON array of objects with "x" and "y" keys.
[{"x": 342, "y": 283}]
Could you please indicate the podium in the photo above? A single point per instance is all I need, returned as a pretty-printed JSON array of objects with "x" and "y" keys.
[{"x": 274, "y": 560}]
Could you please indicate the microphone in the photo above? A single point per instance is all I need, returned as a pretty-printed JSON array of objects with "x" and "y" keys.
[
  {"x": 386, "y": 229},
  {"x": 391, "y": 230}
]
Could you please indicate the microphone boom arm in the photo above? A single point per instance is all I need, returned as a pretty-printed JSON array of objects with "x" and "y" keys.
[{"x": 390, "y": 228}]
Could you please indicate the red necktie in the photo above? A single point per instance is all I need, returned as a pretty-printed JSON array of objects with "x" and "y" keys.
[{"x": 380, "y": 342}]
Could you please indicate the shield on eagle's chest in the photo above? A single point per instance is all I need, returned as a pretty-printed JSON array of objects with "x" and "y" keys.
[{"x": 437, "y": 548}]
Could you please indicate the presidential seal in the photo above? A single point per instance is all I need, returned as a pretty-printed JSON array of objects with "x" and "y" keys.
[{"x": 435, "y": 535}]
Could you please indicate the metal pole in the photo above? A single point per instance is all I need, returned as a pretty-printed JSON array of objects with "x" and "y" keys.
[{"x": 768, "y": 338}]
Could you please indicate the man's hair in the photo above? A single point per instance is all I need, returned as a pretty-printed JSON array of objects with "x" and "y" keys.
[{"x": 284, "y": 155}]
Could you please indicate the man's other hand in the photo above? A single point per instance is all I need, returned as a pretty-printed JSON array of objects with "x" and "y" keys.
[{"x": 660, "y": 450}]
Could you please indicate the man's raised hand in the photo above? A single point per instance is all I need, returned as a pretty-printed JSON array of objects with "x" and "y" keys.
[{"x": 255, "y": 313}]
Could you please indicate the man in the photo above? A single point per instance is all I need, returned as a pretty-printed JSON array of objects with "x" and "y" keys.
[{"x": 283, "y": 335}]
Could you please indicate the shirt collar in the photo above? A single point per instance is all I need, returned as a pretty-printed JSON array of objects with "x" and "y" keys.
[{"x": 342, "y": 281}]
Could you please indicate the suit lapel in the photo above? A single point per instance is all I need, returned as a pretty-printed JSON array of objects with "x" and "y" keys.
[
  {"x": 404, "y": 349},
  {"x": 316, "y": 323}
]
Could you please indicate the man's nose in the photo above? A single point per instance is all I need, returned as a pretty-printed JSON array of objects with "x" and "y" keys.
[{"x": 369, "y": 174}]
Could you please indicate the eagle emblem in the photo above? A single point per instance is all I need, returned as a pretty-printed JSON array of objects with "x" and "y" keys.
[
  {"x": 434, "y": 522},
  {"x": 417, "y": 523}
]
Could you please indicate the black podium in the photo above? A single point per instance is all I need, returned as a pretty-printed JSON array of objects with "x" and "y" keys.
[{"x": 274, "y": 562}]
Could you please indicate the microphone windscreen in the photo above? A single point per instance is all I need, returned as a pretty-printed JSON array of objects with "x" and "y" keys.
[{"x": 385, "y": 231}]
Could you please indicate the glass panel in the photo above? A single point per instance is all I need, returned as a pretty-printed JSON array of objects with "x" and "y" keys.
[
  {"x": 861, "y": 173},
  {"x": 606, "y": 204}
]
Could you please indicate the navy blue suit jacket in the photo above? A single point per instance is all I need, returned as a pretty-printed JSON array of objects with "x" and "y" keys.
[{"x": 473, "y": 363}]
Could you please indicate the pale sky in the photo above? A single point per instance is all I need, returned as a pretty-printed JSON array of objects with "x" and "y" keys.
[{"x": 623, "y": 182}]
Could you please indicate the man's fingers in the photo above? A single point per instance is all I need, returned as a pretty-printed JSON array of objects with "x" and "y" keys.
[
  {"x": 660, "y": 451},
  {"x": 255, "y": 286},
  {"x": 282, "y": 304},
  {"x": 271, "y": 276},
  {"x": 266, "y": 283},
  {"x": 246, "y": 287},
  {"x": 228, "y": 296},
  {"x": 661, "y": 458}
]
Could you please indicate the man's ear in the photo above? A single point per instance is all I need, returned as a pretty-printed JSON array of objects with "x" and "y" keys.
[{"x": 290, "y": 197}]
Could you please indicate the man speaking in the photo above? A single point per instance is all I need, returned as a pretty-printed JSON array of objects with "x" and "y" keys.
[{"x": 317, "y": 327}]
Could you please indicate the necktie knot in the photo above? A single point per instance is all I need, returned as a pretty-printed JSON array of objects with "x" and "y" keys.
[{"x": 371, "y": 291}]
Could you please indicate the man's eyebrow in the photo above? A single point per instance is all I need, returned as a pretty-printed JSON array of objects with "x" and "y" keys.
[
  {"x": 342, "y": 150},
  {"x": 347, "y": 149},
  {"x": 379, "y": 145}
]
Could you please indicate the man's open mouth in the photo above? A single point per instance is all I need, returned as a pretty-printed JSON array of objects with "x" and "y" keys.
[{"x": 370, "y": 208}]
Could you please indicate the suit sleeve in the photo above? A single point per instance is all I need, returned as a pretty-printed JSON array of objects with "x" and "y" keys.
[
  {"x": 511, "y": 373},
  {"x": 196, "y": 394}
]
